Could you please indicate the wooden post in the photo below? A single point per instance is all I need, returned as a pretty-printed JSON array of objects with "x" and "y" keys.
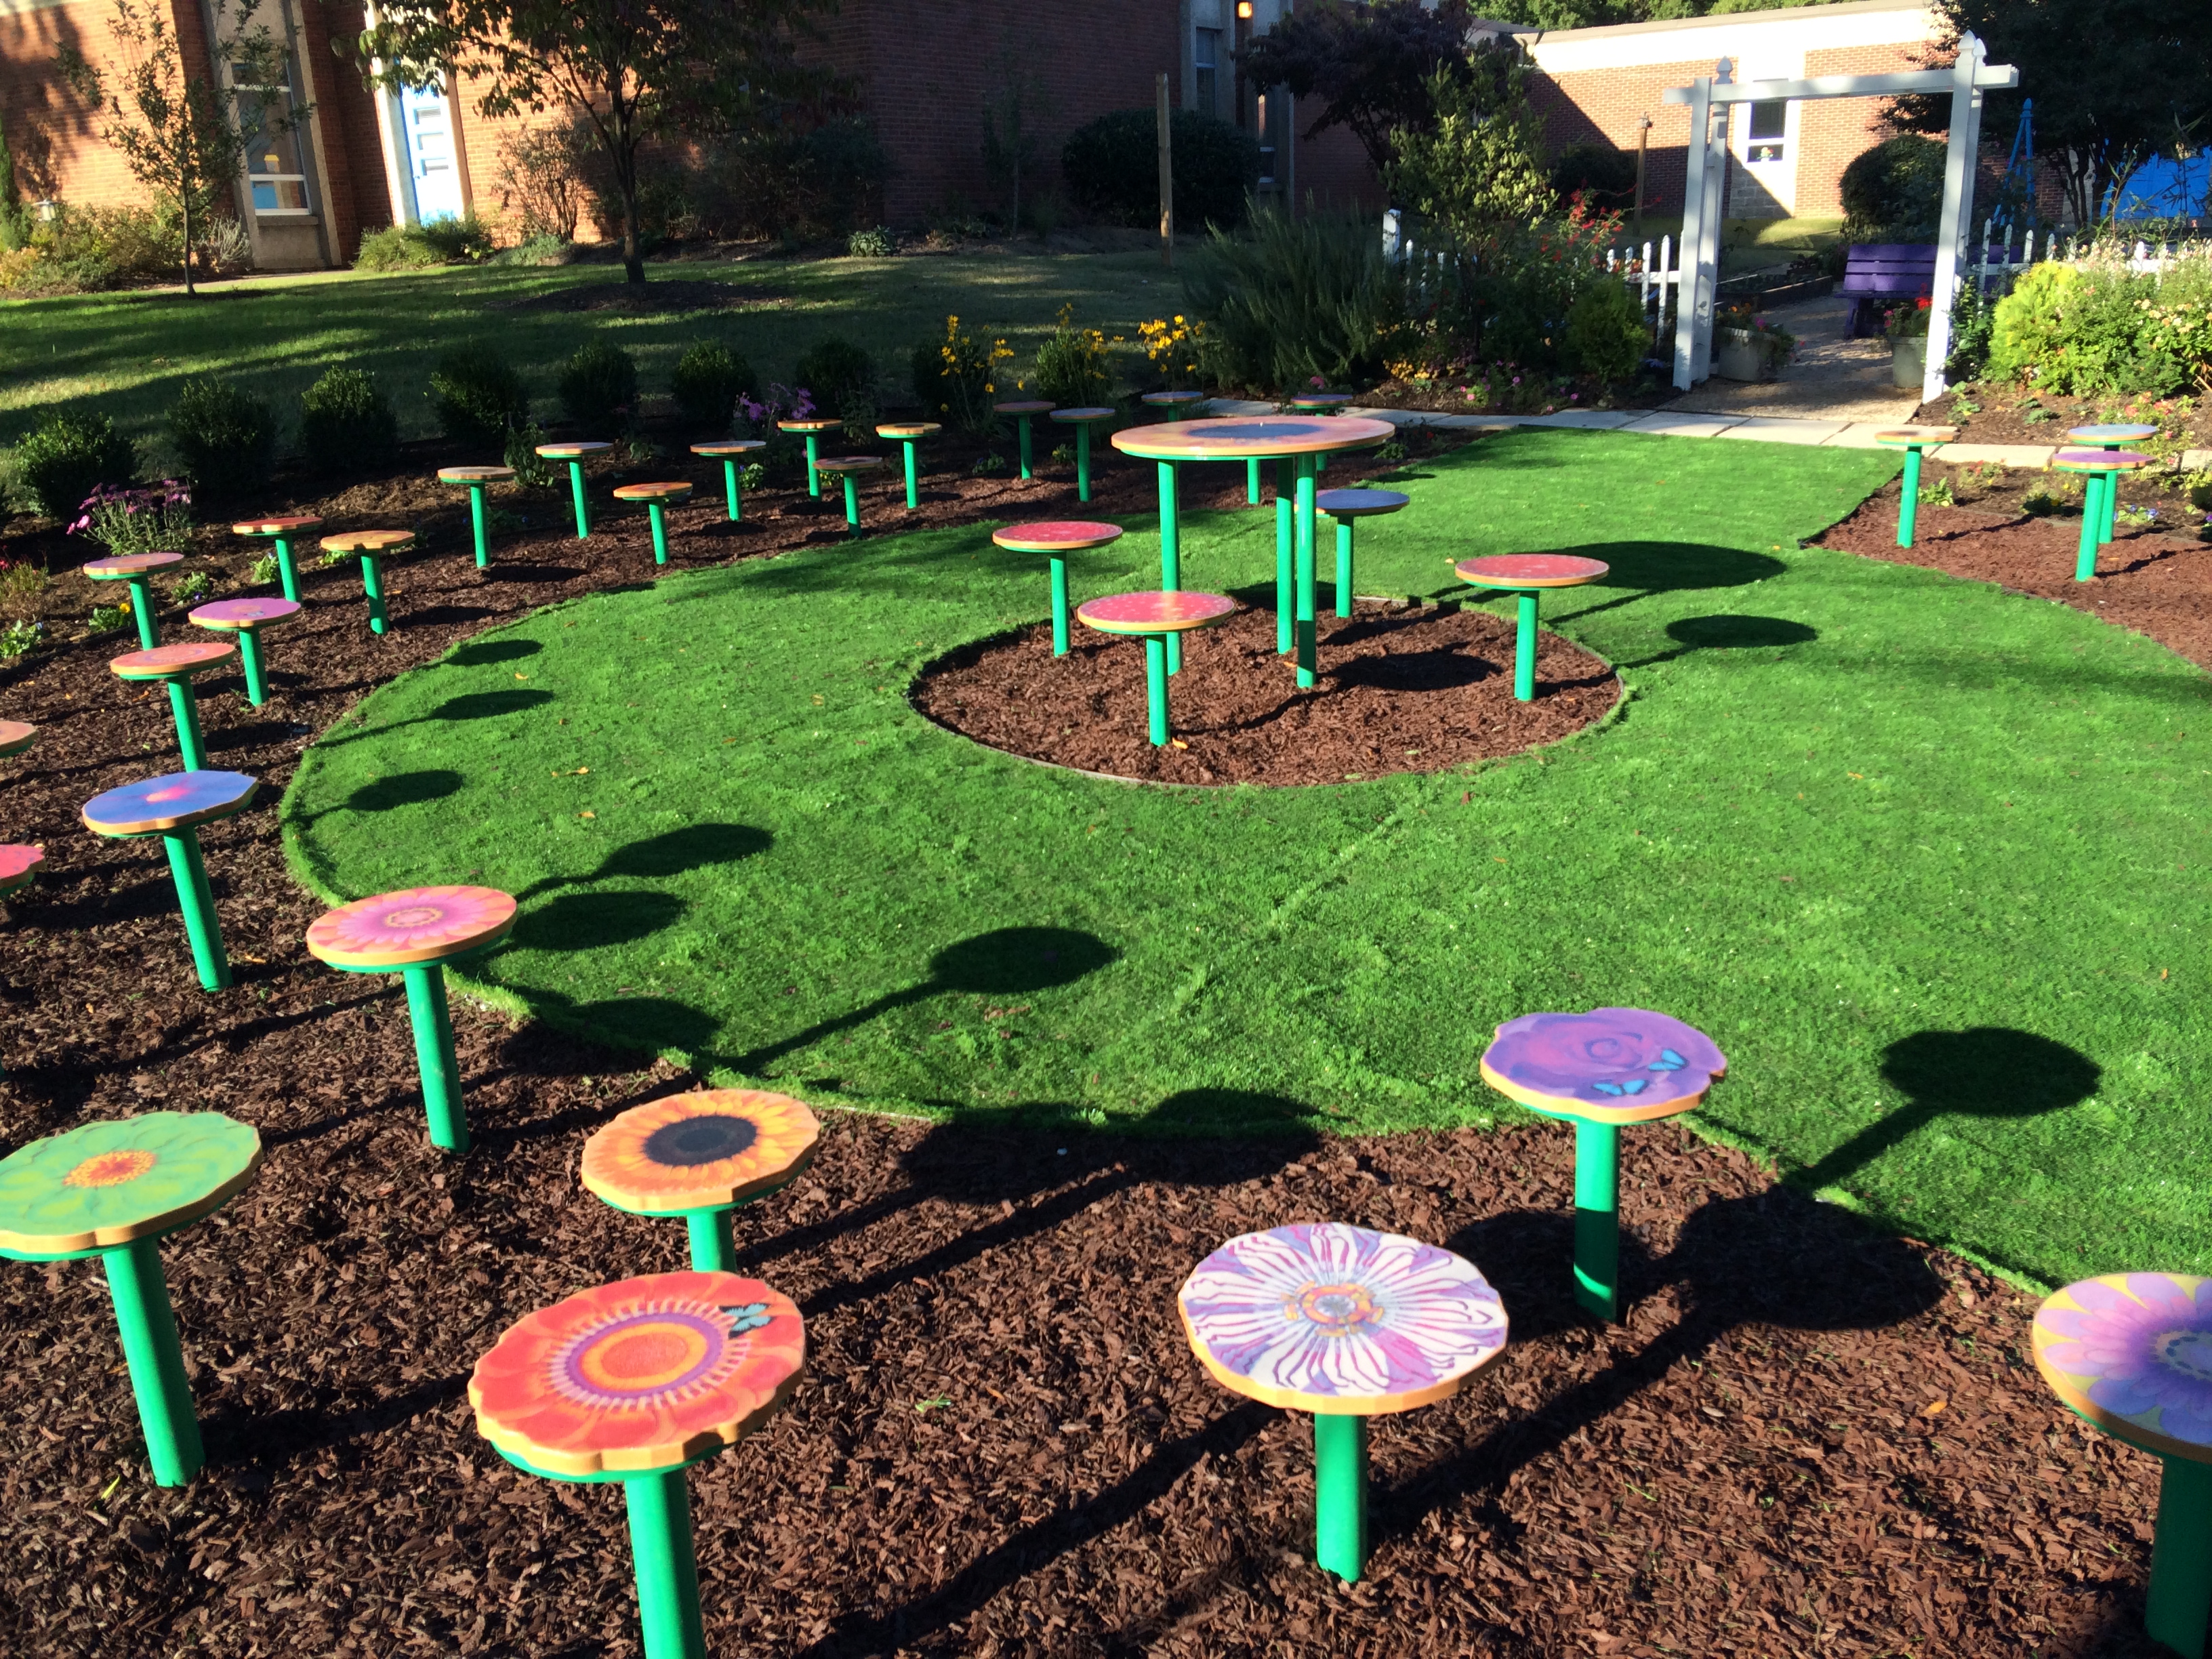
[
  {"x": 1643, "y": 153},
  {"x": 1167, "y": 172}
]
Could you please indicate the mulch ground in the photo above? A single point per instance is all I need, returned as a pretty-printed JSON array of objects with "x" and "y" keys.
[
  {"x": 1805, "y": 1437},
  {"x": 1987, "y": 412}
]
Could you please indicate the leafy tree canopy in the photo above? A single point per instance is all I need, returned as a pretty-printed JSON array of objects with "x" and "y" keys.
[{"x": 1371, "y": 64}]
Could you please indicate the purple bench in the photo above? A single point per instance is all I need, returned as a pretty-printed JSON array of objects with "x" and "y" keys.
[{"x": 1877, "y": 273}]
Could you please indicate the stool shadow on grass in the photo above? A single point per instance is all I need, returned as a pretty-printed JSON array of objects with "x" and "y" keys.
[
  {"x": 482, "y": 654},
  {"x": 1648, "y": 567},
  {"x": 1728, "y": 633},
  {"x": 416, "y": 789},
  {"x": 658, "y": 858},
  {"x": 468, "y": 706}
]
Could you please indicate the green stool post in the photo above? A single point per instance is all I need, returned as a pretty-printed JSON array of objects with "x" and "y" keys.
[
  {"x": 173, "y": 808},
  {"x": 1058, "y": 538},
  {"x": 1082, "y": 420},
  {"x": 474, "y": 479},
  {"x": 728, "y": 452},
  {"x": 657, "y": 498},
  {"x": 1319, "y": 402},
  {"x": 136, "y": 569},
  {"x": 246, "y": 618},
  {"x": 1525, "y": 575},
  {"x": 2109, "y": 437},
  {"x": 1347, "y": 508},
  {"x": 811, "y": 429},
  {"x": 850, "y": 469},
  {"x": 908, "y": 434},
  {"x": 701, "y": 1155},
  {"x": 174, "y": 665},
  {"x": 370, "y": 546},
  {"x": 2100, "y": 470},
  {"x": 1914, "y": 441},
  {"x": 415, "y": 932},
  {"x": 1021, "y": 410},
  {"x": 1175, "y": 406},
  {"x": 574, "y": 454},
  {"x": 279, "y": 530},
  {"x": 1155, "y": 618},
  {"x": 1286, "y": 568}
]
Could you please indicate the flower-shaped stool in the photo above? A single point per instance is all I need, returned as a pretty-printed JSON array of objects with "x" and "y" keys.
[
  {"x": 135, "y": 568},
  {"x": 727, "y": 451},
  {"x": 279, "y": 529},
  {"x": 1082, "y": 420},
  {"x": 1347, "y": 507},
  {"x": 474, "y": 479},
  {"x": 1177, "y": 404},
  {"x": 114, "y": 1189},
  {"x": 635, "y": 1381},
  {"x": 2101, "y": 470},
  {"x": 1155, "y": 618},
  {"x": 1057, "y": 538},
  {"x": 1318, "y": 402},
  {"x": 2132, "y": 1354},
  {"x": 1599, "y": 1070},
  {"x": 174, "y": 807},
  {"x": 574, "y": 454},
  {"x": 246, "y": 618},
  {"x": 810, "y": 427},
  {"x": 909, "y": 433},
  {"x": 1022, "y": 408},
  {"x": 18, "y": 863},
  {"x": 174, "y": 665},
  {"x": 1914, "y": 441},
  {"x": 699, "y": 1156},
  {"x": 2109, "y": 436},
  {"x": 658, "y": 498},
  {"x": 850, "y": 469},
  {"x": 416, "y": 932},
  {"x": 1524, "y": 575},
  {"x": 371, "y": 545},
  {"x": 1347, "y": 1324},
  {"x": 15, "y": 737}
]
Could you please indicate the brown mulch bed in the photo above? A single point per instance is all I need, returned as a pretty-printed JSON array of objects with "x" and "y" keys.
[
  {"x": 2017, "y": 414},
  {"x": 1403, "y": 688}
]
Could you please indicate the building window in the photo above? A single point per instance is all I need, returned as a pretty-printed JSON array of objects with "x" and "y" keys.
[
  {"x": 1206, "y": 60},
  {"x": 1770, "y": 120},
  {"x": 1268, "y": 119},
  {"x": 276, "y": 172}
]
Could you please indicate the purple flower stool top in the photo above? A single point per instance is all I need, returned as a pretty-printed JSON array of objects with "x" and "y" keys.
[
  {"x": 1599, "y": 1070},
  {"x": 1347, "y": 1324},
  {"x": 2132, "y": 1354}
]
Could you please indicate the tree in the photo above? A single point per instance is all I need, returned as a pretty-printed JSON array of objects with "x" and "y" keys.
[
  {"x": 634, "y": 70},
  {"x": 1371, "y": 64},
  {"x": 1475, "y": 170},
  {"x": 182, "y": 135}
]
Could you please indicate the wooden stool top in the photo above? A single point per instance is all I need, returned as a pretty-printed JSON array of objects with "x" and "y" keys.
[
  {"x": 2132, "y": 1353},
  {"x": 1333, "y": 1318},
  {"x": 652, "y": 492},
  {"x": 1084, "y": 416},
  {"x": 909, "y": 430},
  {"x": 476, "y": 475},
  {"x": 17, "y": 736},
  {"x": 730, "y": 446},
  {"x": 1169, "y": 400},
  {"x": 108, "y": 1183},
  {"x": 369, "y": 541},
  {"x": 2099, "y": 460},
  {"x": 707, "y": 1150},
  {"x": 125, "y": 566},
  {"x": 175, "y": 800},
  {"x": 18, "y": 863},
  {"x": 848, "y": 464},
  {"x": 574, "y": 450},
  {"x": 1609, "y": 1065},
  {"x": 243, "y": 615},
  {"x": 1916, "y": 437},
  {"x": 644, "y": 1374},
  {"x": 1247, "y": 437},
  {"x": 1024, "y": 406},
  {"x": 2119, "y": 432},
  {"x": 1319, "y": 400},
  {"x": 1525, "y": 570},
  {"x": 1154, "y": 613},
  {"x": 414, "y": 926},
  {"x": 812, "y": 423},
  {"x": 1360, "y": 504},
  {"x": 173, "y": 662},
  {"x": 278, "y": 524},
  {"x": 1056, "y": 536}
]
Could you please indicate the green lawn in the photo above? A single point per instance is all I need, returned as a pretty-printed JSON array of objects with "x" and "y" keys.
[{"x": 1926, "y": 858}]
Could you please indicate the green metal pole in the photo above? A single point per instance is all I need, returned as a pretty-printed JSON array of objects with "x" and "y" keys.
[
  {"x": 1171, "y": 550},
  {"x": 913, "y": 484},
  {"x": 433, "y": 1056},
  {"x": 1023, "y": 422},
  {"x": 1083, "y": 460},
  {"x": 1908, "y": 506},
  {"x": 187, "y": 709},
  {"x": 1059, "y": 607},
  {"x": 142, "y": 612},
  {"x": 576, "y": 490},
  {"x": 477, "y": 521},
  {"x": 2085, "y": 560},
  {"x": 1344, "y": 566},
  {"x": 737, "y": 505},
  {"x": 1156, "y": 687},
  {"x": 813, "y": 454},
  {"x": 2109, "y": 518},
  {"x": 157, "y": 1365},
  {"x": 285, "y": 574},
  {"x": 249, "y": 653},
  {"x": 197, "y": 900},
  {"x": 1597, "y": 1217},
  {"x": 371, "y": 583},
  {"x": 1340, "y": 1496},
  {"x": 1252, "y": 481},
  {"x": 659, "y": 533},
  {"x": 667, "y": 1568},
  {"x": 1524, "y": 650},
  {"x": 712, "y": 1249},
  {"x": 1309, "y": 651},
  {"x": 2181, "y": 1558},
  {"x": 851, "y": 505},
  {"x": 1287, "y": 604}
]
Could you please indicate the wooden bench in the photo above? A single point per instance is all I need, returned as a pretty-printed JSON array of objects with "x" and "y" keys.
[{"x": 1875, "y": 273}]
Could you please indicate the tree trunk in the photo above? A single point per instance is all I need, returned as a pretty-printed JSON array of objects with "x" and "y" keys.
[{"x": 626, "y": 182}]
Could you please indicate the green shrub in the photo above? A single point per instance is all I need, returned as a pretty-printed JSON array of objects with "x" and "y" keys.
[
  {"x": 1294, "y": 298},
  {"x": 225, "y": 436},
  {"x": 20, "y": 639},
  {"x": 458, "y": 241},
  {"x": 1603, "y": 176},
  {"x": 531, "y": 469},
  {"x": 709, "y": 379},
  {"x": 1605, "y": 332},
  {"x": 1112, "y": 168},
  {"x": 838, "y": 376},
  {"x": 346, "y": 425},
  {"x": 598, "y": 386},
  {"x": 479, "y": 398},
  {"x": 65, "y": 457},
  {"x": 396, "y": 247},
  {"x": 2072, "y": 330},
  {"x": 542, "y": 249},
  {"x": 108, "y": 618},
  {"x": 957, "y": 378},
  {"x": 876, "y": 243},
  {"x": 191, "y": 587},
  {"x": 265, "y": 570},
  {"x": 1893, "y": 192},
  {"x": 1074, "y": 368}
]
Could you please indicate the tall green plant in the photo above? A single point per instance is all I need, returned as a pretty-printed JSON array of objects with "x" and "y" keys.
[
  {"x": 1476, "y": 170},
  {"x": 1292, "y": 298}
]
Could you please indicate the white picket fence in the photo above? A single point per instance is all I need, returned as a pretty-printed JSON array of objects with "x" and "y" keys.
[
  {"x": 1652, "y": 268},
  {"x": 2004, "y": 255}
]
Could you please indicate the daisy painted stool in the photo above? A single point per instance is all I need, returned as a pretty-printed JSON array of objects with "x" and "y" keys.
[
  {"x": 2132, "y": 1354},
  {"x": 658, "y": 499},
  {"x": 574, "y": 453},
  {"x": 174, "y": 807},
  {"x": 1155, "y": 618},
  {"x": 246, "y": 618},
  {"x": 1022, "y": 408},
  {"x": 1057, "y": 538},
  {"x": 1346, "y": 506},
  {"x": 416, "y": 932},
  {"x": 1524, "y": 575},
  {"x": 371, "y": 545},
  {"x": 635, "y": 1381},
  {"x": 135, "y": 568},
  {"x": 1347, "y": 1324},
  {"x": 279, "y": 529},
  {"x": 1082, "y": 420},
  {"x": 474, "y": 480},
  {"x": 849, "y": 468},
  {"x": 15, "y": 737},
  {"x": 2100, "y": 470},
  {"x": 1913, "y": 441},
  {"x": 727, "y": 451},
  {"x": 114, "y": 1189},
  {"x": 908, "y": 434},
  {"x": 699, "y": 1156},
  {"x": 18, "y": 865},
  {"x": 2109, "y": 437},
  {"x": 174, "y": 665},
  {"x": 1599, "y": 1070},
  {"x": 810, "y": 427}
]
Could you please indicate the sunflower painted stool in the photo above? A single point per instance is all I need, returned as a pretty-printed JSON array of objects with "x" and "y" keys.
[
  {"x": 416, "y": 932},
  {"x": 474, "y": 479},
  {"x": 15, "y": 737},
  {"x": 371, "y": 545},
  {"x": 1022, "y": 408},
  {"x": 279, "y": 529},
  {"x": 2110, "y": 436},
  {"x": 908, "y": 434},
  {"x": 1599, "y": 1070},
  {"x": 1914, "y": 441},
  {"x": 2101, "y": 470},
  {"x": 699, "y": 1156},
  {"x": 728, "y": 452},
  {"x": 114, "y": 1190},
  {"x": 1082, "y": 420},
  {"x": 1155, "y": 618},
  {"x": 574, "y": 454},
  {"x": 1057, "y": 538},
  {"x": 658, "y": 499},
  {"x": 174, "y": 807},
  {"x": 2132, "y": 1354},
  {"x": 174, "y": 665},
  {"x": 1347, "y": 1324},
  {"x": 246, "y": 618},
  {"x": 1524, "y": 575},
  {"x": 1347, "y": 507},
  {"x": 135, "y": 568},
  {"x": 635, "y": 1381},
  {"x": 849, "y": 468},
  {"x": 810, "y": 427},
  {"x": 18, "y": 865}
]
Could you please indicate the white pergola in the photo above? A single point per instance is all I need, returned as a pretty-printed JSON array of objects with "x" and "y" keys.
[{"x": 1712, "y": 99}]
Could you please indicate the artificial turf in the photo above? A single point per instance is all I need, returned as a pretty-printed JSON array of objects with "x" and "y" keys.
[{"x": 1923, "y": 857}]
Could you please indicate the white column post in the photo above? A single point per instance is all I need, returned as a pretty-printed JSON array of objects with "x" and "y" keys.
[
  {"x": 1959, "y": 163},
  {"x": 1691, "y": 294}
]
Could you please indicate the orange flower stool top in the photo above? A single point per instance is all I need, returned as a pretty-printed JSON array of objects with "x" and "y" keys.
[{"x": 700, "y": 1155}]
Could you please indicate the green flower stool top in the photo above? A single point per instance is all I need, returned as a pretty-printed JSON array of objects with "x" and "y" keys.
[
  {"x": 174, "y": 807},
  {"x": 729, "y": 452},
  {"x": 135, "y": 568},
  {"x": 657, "y": 499},
  {"x": 475, "y": 480},
  {"x": 246, "y": 618},
  {"x": 699, "y": 1155},
  {"x": 280, "y": 528},
  {"x": 372, "y": 545}
]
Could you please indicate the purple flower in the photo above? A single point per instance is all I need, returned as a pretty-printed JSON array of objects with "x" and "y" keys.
[
  {"x": 1620, "y": 1058},
  {"x": 2142, "y": 1345}
]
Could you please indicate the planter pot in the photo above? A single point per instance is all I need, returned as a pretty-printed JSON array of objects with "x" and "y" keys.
[
  {"x": 1735, "y": 358},
  {"x": 1908, "y": 361}
]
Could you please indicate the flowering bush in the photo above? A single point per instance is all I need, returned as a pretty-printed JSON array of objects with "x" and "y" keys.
[
  {"x": 1074, "y": 367},
  {"x": 2096, "y": 324},
  {"x": 1908, "y": 322},
  {"x": 154, "y": 520},
  {"x": 958, "y": 377},
  {"x": 1774, "y": 343},
  {"x": 109, "y": 618},
  {"x": 785, "y": 454},
  {"x": 1175, "y": 350}
]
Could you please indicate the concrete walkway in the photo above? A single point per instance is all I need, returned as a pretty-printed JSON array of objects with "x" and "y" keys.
[{"x": 1828, "y": 378}]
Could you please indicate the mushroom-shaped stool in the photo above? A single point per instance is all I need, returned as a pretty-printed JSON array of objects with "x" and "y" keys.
[
  {"x": 2132, "y": 1354},
  {"x": 1155, "y": 618},
  {"x": 416, "y": 932},
  {"x": 657, "y": 499},
  {"x": 174, "y": 807},
  {"x": 2110, "y": 436},
  {"x": 18, "y": 863},
  {"x": 1914, "y": 441},
  {"x": 574, "y": 453},
  {"x": 174, "y": 665},
  {"x": 729, "y": 452},
  {"x": 1599, "y": 1070},
  {"x": 246, "y": 618},
  {"x": 2101, "y": 470},
  {"x": 1177, "y": 405},
  {"x": 1347, "y": 507},
  {"x": 850, "y": 468},
  {"x": 474, "y": 479},
  {"x": 279, "y": 529},
  {"x": 1022, "y": 408},
  {"x": 15, "y": 737},
  {"x": 135, "y": 568},
  {"x": 1318, "y": 402},
  {"x": 810, "y": 427},
  {"x": 1057, "y": 538},
  {"x": 635, "y": 1381},
  {"x": 1082, "y": 420},
  {"x": 1525, "y": 575},
  {"x": 371, "y": 545},
  {"x": 1347, "y": 1324},
  {"x": 908, "y": 434},
  {"x": 114, "y": 1189},
  {"x": 699, "y": 1156}
]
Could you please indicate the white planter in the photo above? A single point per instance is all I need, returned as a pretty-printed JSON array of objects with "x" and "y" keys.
[
  {"x": 1908, "y": 361},
  {"x": 1735, "y": 358}
]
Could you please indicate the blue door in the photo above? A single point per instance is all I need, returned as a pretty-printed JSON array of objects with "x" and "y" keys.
[{"x": 427, "y": 119}]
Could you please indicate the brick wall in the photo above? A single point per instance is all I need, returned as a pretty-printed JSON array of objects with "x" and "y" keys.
[{"x": 49, "y": 131}]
